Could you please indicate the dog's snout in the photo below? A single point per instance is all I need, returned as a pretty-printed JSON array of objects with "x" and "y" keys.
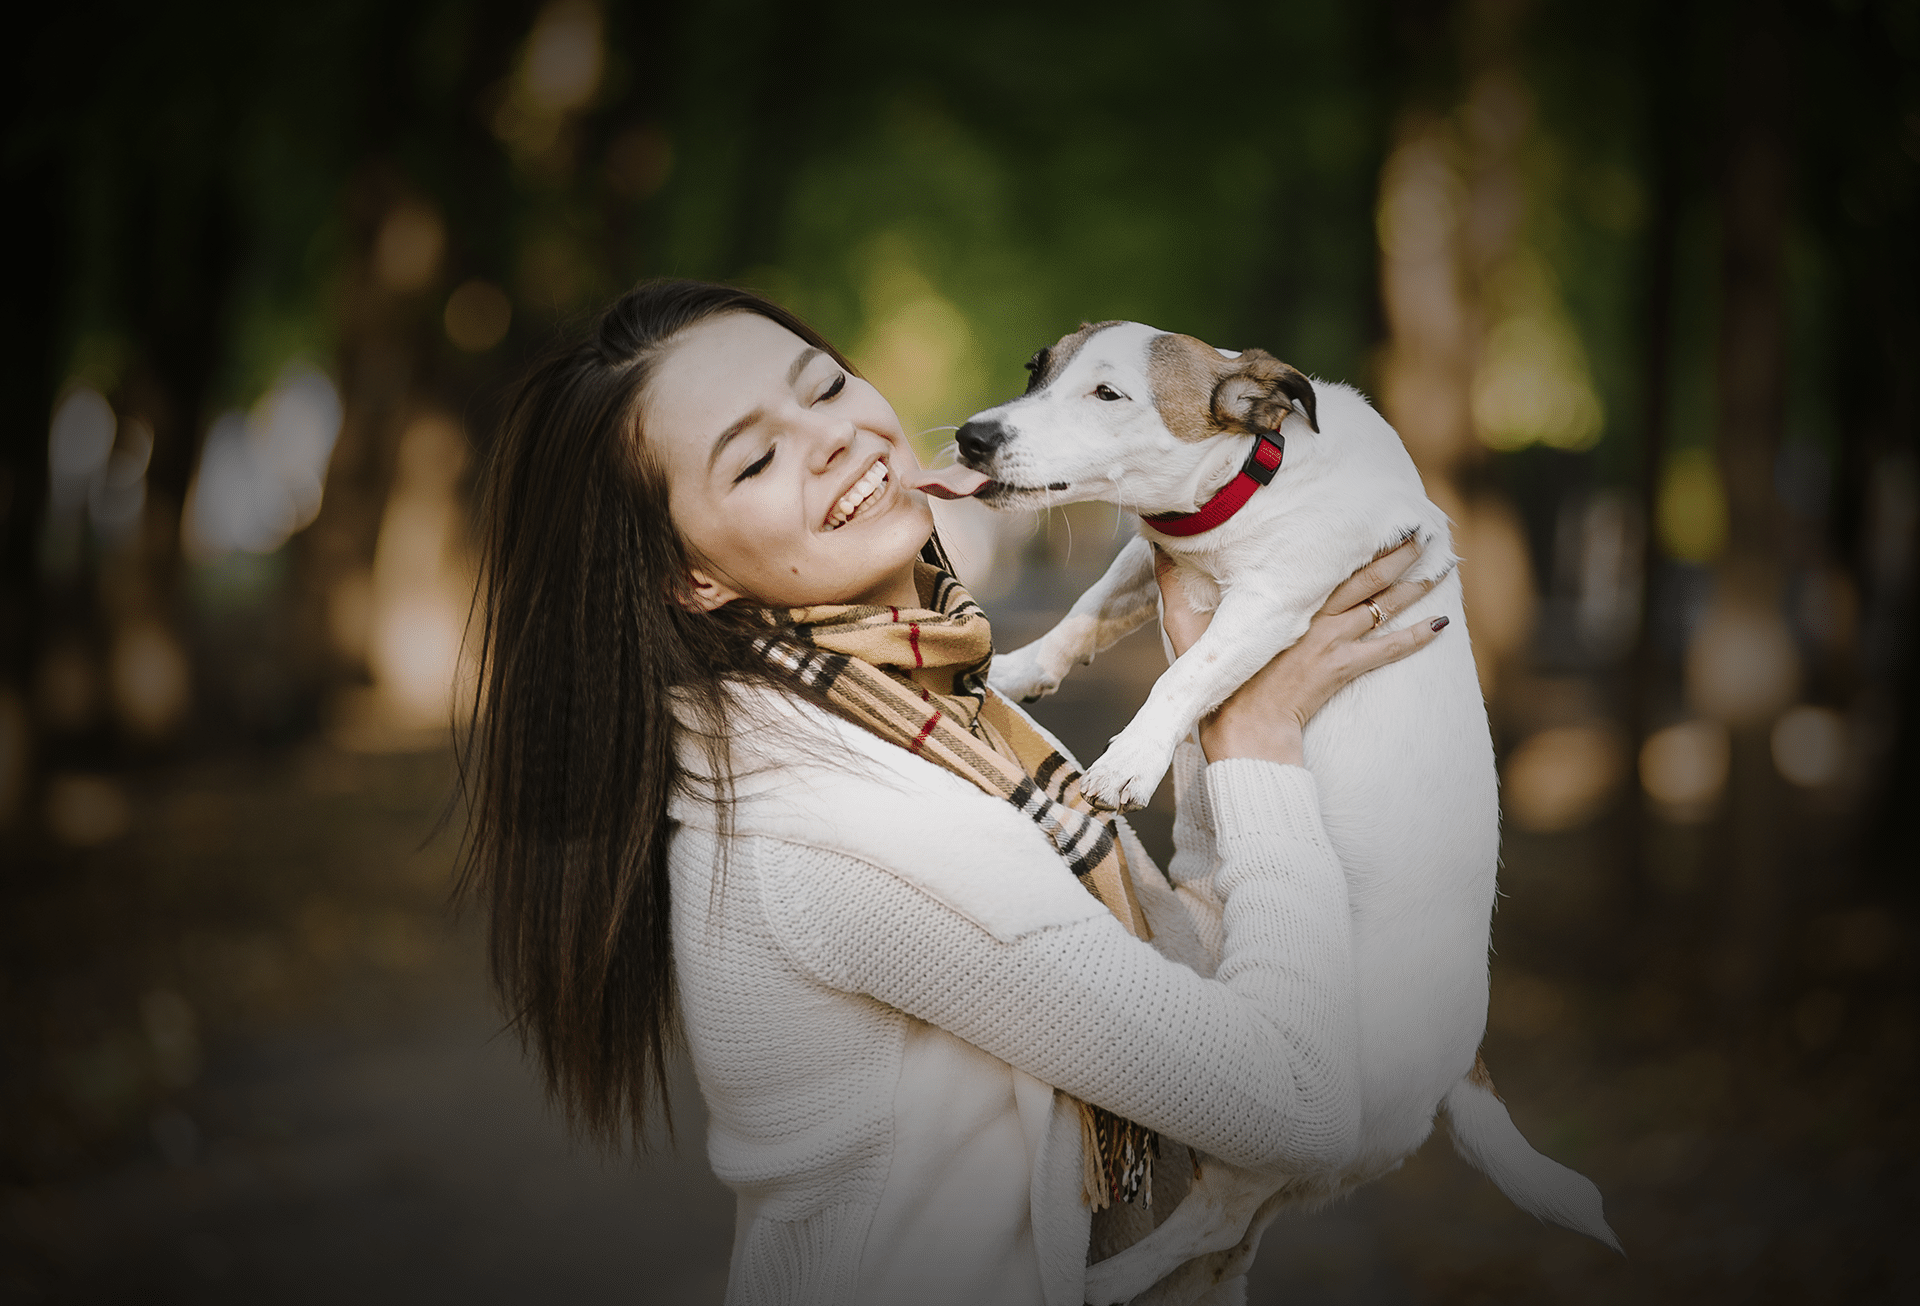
[{"x": 978, "y": 440}]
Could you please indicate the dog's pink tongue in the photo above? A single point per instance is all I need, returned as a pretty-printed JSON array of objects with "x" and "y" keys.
[{"x": 955, "y": 482}]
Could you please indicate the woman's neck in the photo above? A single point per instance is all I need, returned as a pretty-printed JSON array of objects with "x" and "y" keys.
[{"x": 900, "y": 590}]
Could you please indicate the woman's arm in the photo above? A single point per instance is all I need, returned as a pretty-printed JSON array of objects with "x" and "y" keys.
[{"x": 1253, "y": 1066}]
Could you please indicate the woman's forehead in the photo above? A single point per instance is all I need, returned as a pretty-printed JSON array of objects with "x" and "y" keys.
[
  {"x": 736, "y": 345},
  {"x": 716, "y": 372}
]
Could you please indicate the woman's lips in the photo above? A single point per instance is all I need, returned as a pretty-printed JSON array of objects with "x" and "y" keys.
[
  {"x": 955, "y": 482},
  {"x": 858, "y": 495}
]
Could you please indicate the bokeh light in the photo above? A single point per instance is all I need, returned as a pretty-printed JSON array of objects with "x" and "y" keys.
[
  {"x": 78, "y": 445},
  {"x": 261, "y": 473},
  {"x": 1533, "y": 384},
  {"x": 407, "y": 251},
  {"x": 478, "y": 314},
  {"x": 150, "y": 678},
  {"x": 1684, "y": 768},
  {"x": 1693, "y": 507},
  {"x": 564, "y": 56},
  {"x": 119, "y": 492},
  {"x": 1810, "y": 745},
  {"x": 1561, "y": 778},
  {"x": 422, "y": 580},
  {"x": 1742, "y": 666}
]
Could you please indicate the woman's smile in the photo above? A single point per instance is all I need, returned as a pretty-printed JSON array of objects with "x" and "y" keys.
[{"x": 872, "y": 484}]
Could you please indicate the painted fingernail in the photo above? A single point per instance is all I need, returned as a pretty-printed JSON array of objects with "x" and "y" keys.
[{"x": 1438, "y": 624}]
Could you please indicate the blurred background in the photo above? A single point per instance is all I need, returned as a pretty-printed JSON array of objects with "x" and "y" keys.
[{"x": 1636, "y": 282}]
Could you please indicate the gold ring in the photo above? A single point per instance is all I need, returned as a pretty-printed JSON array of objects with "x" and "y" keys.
[{"x": 1379, "y": 617}]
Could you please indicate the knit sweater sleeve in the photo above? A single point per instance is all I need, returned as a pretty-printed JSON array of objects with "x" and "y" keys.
[{"x": 1256, "y": 1065}]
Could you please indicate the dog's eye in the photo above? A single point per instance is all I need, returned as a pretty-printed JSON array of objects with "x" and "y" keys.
[{"x": 1106, "y": 393}]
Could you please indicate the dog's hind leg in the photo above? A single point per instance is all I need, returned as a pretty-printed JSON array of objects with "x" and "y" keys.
[
  {"x": 1117, "y": 604},
  {"x": 1218, "y": 1278},
  {"x": 1221, "y": 1211}
]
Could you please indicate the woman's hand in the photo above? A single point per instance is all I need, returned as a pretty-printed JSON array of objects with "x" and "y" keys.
[{"x": 1266, "y": 716}]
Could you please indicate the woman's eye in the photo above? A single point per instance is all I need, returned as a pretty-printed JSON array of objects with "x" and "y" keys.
[
  {"x": 1107, "y": 393},
  {"x": 755, "y": 467},
  {"x": 839, "y": 384}
]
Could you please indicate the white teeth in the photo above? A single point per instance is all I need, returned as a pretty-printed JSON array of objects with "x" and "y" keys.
[{"x": 863, "y": 489}]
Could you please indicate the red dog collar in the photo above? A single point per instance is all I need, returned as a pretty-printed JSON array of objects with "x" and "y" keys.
[{"x": 1269, "y": 447}]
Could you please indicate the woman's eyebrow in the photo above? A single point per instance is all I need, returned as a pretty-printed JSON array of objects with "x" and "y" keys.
[
  {"x": 727, "y": 436},
  {"x": 805, "y": 356}
]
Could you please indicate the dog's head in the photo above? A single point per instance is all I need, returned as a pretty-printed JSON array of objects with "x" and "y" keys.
[{"x": 1121, "y": 411}]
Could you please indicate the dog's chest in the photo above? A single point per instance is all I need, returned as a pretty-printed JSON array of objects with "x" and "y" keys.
[{"x": 1202, "y": 588}]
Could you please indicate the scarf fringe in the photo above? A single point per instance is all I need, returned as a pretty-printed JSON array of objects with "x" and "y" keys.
[{"x": 1116, "y": 1159}]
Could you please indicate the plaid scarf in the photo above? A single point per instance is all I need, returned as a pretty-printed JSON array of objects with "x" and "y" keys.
[{"x": 917, "y": 677}]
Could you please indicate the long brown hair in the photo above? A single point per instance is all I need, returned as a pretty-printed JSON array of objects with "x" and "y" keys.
[{"x": 568, "y": 761}]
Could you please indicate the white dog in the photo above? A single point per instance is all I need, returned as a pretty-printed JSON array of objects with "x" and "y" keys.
[{"x": 1183, "y": 434}]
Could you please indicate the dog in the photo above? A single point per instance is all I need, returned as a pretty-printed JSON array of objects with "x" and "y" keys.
[{"x": 1268, "y": 489}]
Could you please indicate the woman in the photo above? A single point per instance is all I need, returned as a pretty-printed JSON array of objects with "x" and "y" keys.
[{"x": 734, "y": 772}]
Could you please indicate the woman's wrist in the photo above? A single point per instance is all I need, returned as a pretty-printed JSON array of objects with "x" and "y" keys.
[{"x": 1228, "y": 734}]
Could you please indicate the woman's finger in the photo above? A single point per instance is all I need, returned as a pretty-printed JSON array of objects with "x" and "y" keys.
[
  {"x": 1403, "y": 594},
  {"x": 1358, "y": 622},
  {"x": 1374, "y": 577},
  {"x": 1396, "y": 644}
]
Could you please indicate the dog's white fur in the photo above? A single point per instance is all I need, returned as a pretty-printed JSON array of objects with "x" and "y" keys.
[{"x": 1402, "y": 756}]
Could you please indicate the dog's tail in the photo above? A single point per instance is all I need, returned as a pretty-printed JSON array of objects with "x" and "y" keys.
[{"x": 1485, "y": 1137}]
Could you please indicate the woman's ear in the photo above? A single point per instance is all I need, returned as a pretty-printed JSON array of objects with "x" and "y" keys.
[{"x": 704, "y": 592}]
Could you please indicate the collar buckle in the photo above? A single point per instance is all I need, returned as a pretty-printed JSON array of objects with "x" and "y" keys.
[{"x": 1259, "y": 468}]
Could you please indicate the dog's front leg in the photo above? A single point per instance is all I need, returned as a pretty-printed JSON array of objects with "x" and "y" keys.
[
  {"x": 1248, "y": 628},
  {"x": 1116, "y": 604}
]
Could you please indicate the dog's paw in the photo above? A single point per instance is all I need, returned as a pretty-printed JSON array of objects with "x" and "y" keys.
[
  {"x": 1021, "y": 676},
  {"x": 1127, "y": 773}
]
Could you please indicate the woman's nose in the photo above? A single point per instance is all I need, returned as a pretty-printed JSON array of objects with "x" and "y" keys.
[{"x": 829, "y": 440}]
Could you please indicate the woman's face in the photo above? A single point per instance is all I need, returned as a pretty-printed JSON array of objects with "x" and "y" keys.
[{"x": 786, "y": 474}]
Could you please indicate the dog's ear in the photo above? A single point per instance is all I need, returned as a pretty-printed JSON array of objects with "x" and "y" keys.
[
  {"x": 1036, "y": 369},
  {"x": 1259, "y": 391}
]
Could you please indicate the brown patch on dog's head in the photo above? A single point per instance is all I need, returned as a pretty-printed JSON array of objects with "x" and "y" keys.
[
  {"x": 1048, "y": 363},
  {"x": 1184, "y": 372},
  {"x": 1201, "y": 394}
]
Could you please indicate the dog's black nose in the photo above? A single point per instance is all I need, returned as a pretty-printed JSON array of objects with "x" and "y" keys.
[{"x": 977, "y": 442}]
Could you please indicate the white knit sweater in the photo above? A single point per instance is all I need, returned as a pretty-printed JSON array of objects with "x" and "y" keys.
[{"x": 885, "y": 973}]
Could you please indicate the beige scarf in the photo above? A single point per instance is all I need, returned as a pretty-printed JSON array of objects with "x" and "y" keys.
[{"x": 917, "y": 677}]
